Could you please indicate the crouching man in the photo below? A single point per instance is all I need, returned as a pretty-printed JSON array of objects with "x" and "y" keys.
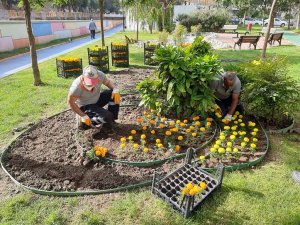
[
  {"x": 87, "y": 99},
  {"x": 227, "y": 90}
]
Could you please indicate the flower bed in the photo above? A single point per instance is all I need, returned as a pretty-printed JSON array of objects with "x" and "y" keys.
[
  {"x": 98, "y": 56},
  {"x": 119, "y": 54},
  {"x": 151, "y": 138},
  {"x": 242, "y": 141},
  {"x": 67, "y": 67}
]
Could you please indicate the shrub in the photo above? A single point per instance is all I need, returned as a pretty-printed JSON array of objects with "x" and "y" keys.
[
  {"x": 179, "y": 33},
  {"x": 196, "y": 29},
  {"x": 163, "y": 36},
  {"x": 201, "y": 47},
  {"x": 181, "y": 85},
  {"x": 188, "y": 20},
  {"x": 271, "y": 95}
]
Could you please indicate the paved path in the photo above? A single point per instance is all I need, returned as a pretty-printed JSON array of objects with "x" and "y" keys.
[
  {"x": 292, "y": 37},
  {"x": 15, "y": 64}
]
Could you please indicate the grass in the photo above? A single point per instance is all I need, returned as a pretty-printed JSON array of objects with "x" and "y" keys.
[{"x": 265, "y": 194}]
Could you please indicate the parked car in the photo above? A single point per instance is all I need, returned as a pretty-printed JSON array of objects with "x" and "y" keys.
[
  {"x": 258, "y": 21},
  {"x": 277, "y": 22},
  {"x": 248, "y": 20},
  {"x": 234, "y": 20}
]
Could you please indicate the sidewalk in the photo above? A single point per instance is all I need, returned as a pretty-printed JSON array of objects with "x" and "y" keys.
[{"x": 23, "y": 61}]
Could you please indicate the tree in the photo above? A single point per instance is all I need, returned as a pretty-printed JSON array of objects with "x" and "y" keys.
[
  {"x": 271, "y": 18},
  {"x": 101, "y": 22},
  {"x": 34, "y": 62}
]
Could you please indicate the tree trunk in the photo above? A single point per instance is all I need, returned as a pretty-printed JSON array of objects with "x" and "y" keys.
[
  {"x": 263, "y": 53},
  {"x": 298, "y": 20},
  {"x": 137, "y": 23},
  {"x": 101, "y": 22},
  {"x": 289, "y": 13},
  {"x": 35, "y": 67}
]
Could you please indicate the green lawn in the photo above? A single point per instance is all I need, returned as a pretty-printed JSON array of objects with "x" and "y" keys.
[{"x": 265, "y": 194}]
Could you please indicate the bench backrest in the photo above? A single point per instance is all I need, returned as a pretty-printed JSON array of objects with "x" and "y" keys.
[
  {"x": 248, "y": 39},
  {"x": 230, "y": 27},
  {"x": 276, "y": 36},
  {"x": 272, "y": 30}
]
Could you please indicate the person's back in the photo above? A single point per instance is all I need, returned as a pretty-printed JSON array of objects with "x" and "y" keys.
[{"x": 92, "y": 28}]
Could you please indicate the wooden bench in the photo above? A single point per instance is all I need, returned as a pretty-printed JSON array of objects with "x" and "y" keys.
[
  {"x": 275, "y": 37},
  {"x": 252, "y": 40},
  {"x": 231, "y": 28},
  {"x": 130, "y": 40},
  {"x": 264, "y": 30}
]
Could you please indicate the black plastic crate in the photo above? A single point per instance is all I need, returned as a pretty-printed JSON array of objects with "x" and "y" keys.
[
  {"x": 170, "y": 187},
  {"x": 99, "y": 58},
  {"x": 149, "y": 49},
  {"x": 120, "y": 55},
  {"x": 65, "y": 68}
]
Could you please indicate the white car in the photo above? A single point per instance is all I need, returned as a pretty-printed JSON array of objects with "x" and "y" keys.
[
  {"x": 277, "y": 22},
  {"x": 258, "y": 22}
]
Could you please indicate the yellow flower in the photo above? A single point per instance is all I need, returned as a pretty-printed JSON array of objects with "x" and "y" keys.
[
  {"x": 218, "y": 142},
  {"x": 135, "y": 145},
  {"x": 243, "y": 144},
  {"x": 255, "y": 130},
  {"x": 185, "y": 121},
  {"x": 130, "y": 138},
  {"x": 202, "y": 157},
  {"x": 180, "y": 138},
  {"x": 203, "y": 185},
  {"x": 197, "y": 123},
  {"x": 175, "y": 129},
  {"x": 122, "y": 145},
  {"x": 139, "y": 120},
  {"x": 196, "y": 189},
  {"x": 221, "y": 150},
  {"x": 194, "y": 134},
  {"x": 145, "y": 149},
  {"x": 229, "y": 144},
  {"x": 209, "y": 119},
  {"x": 192, "y": 192},
  {"x": 157, "y": 141},
  {"x": 177, "y": 148},
  {"x": 192, "y": 127},
  {"x": 189, "y": 186},
  {"x": 253, "y": 133},
  {"x": 123, "y": 139},
  {"x": 254, "y": 140},
  {"x": 235, "y": 150},
  {"x": 152, "y": 131},
  {"x": 241, "y": 116},
  {"x": 97, "y": 153},
  {"x": 151, "y": 122},
  {"x": 182, "y": 124},
  {"x": 202, "y": 129},
  {"x": 161, "y": 125},
  {"x": 246, "y": 139},
  {"x": 240, "y": 121},
  {"x": 178, "y": 121},
  {"x": 227, "y": 128},
  {"x": 222, "y": 137},
  {"x": 237, "y": 113},
  {"x": 232, "y": 137},
  {"x": 168, "y": 133},
  {"x": 158, "y": 114},
  {"x": 196, "y": 118},
  {"x": 163, "y": 119},
  {"x": 242, "y": 124},
  {"x": 212, "y": 150},
  {"x": 188, "y": 130},
  {"x": 252, "y": 145},
  {"x": 160, "y": 145},
  {"x": 208, "y": 124},
  {"x": 233, "y": 128},
  {"x": 144, "y": 128},
  {"x": 172, "y": 124},
  {"x": 133, "y": 132},
  {"x": 143, "y": 136},
  {"x": 228, "y": 149},
  {"x": 234, "y": 133},
  {"x": 216, "y": 146},
  {"x": 185, "y": 191}
]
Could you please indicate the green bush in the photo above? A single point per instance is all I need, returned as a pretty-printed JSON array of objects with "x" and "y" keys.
[
  {"x": 270, "y": 93},
  {"x": 163, "y": 36},
  {"x": 196, "y": 29},
  {"x": 200, "y": 47},
  {"x": 188, "y": 21},
  {"x": 181, "y": 86},
  {"x": 179, "y": 33}
]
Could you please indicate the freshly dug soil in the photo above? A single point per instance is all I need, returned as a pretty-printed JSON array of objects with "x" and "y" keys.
[{"x": 48, "y": 157}]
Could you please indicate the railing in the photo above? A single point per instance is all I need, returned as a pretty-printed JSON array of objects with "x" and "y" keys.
[{"x": 53, "y": 15}]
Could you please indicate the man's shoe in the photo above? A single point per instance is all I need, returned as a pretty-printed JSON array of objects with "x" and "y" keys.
[{"x": 296, "y": 176}]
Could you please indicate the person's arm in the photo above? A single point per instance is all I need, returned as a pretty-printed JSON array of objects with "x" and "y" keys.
[
  {"x": 108, "y": 83},
  {"x": 71, "y": 101},
  {"x": 234, "y": 102}
]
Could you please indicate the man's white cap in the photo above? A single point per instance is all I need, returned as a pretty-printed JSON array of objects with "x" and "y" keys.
[{"x": 90, "y": 75}]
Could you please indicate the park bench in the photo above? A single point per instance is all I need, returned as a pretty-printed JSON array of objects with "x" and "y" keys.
[
  {"x": 231, "y": 28},
  {"x": 252, "y": 40},
  {"x": 275, "y": 37},
  {"x": 264, "y": 30},
  {"x": 130, "y": 40}
]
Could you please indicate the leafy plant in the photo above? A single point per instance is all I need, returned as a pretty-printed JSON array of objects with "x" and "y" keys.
[
  {"x": 271, "y": 95},
  {"x": 196, "y": 29},
  {"x": 181, "y": 85},
  {"x": 179, "y": 33},
  {"x": 163, "y": 36},
  {"x": 201, "y": 47}
]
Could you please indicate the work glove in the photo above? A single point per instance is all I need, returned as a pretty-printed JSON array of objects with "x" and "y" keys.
[
  {"x": 86, "y": 120},
  {"x": 116, "y": 96},
  {"x": 228, "y": 117}
]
